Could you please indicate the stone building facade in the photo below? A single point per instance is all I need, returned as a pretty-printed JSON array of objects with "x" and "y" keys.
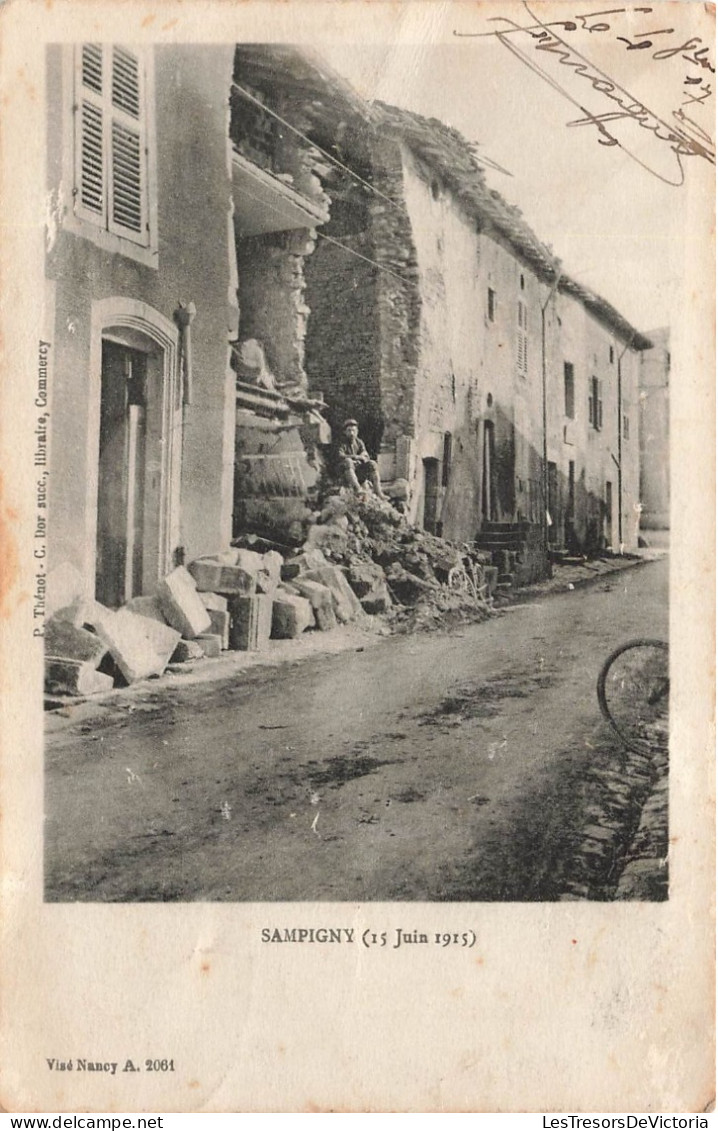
[
  {"x": 179, "y": 217},
  {"x": 140, "y": 307},
  {"x": 500, "y": 389},
  {"x": 240, "y": 250}
]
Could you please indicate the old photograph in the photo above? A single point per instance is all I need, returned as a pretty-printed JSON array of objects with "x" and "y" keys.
[
  {"x": 358, "y": 501},
  {"x": 357, "y": 576}
]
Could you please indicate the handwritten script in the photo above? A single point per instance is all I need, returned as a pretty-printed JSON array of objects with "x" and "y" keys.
[{"x": 660, "y": 143}]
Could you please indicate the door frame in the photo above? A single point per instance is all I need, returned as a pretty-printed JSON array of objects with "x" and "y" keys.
[{"x": 129, "y": 322}]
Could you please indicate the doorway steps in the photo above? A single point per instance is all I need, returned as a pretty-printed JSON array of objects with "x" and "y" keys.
[{"x": 517, "y": 549}]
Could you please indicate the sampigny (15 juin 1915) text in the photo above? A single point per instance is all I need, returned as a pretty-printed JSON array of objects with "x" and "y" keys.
[{"x": 369, "y": 938}]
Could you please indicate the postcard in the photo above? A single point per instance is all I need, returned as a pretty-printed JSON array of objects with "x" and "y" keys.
[{"x": 358, "y": 556}]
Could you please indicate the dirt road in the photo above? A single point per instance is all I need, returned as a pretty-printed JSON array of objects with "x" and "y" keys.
[{"x": 433, "y": 767}]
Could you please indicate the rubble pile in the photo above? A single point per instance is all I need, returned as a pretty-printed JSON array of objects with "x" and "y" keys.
[
  {"x": 237, "y": 599},
  {"x": 414, "y": 578},
  {"x": 360, "y": 557}
]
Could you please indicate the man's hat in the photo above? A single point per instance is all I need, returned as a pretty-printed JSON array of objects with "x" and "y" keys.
[{"x": 348, "y": 424}]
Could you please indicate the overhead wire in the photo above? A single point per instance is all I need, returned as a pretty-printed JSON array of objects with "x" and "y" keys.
[
  {"x": 330, "y": 239},
  {"x": 335, "y": 161}
]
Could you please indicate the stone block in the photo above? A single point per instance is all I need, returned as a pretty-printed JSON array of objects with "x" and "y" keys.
[
  {"x": 186, "y": 651},
  {"x": 327, "y": 537},
  {"x": 377, "y": 602},
  {"x": 398, "y": 490},
  {"x": 182, "y": 604},
  {"x": 210, "y": 643},
  {"x": 365, "y": 578},
  {"x": 79, "y": 613},
  {"x": 287, "y": 587},
  {"x": 146, "y": 607},
  {"x": 346, "y": 604},
  {"x": 64, "y": 587},
  {"x": 235, "y": 581},
  {"x": 140, "y": 647},
  {"x": 206, "y": 574},
  {"x": 210, "y": 575},
  {"x": 283, "y": 520},
  {"x": 214, "y": 601},
  {"x": 309, "y": 559},
  {"x": 226, "y": 557},
  {"x": 272, "y": 563},
  {"x": 290, "y": 616},
  {"x": 321, "y": 600},
  {"x": 219, "y": 625},
  {"x": 250, "y": 561},
  {"x": 251, "y": 622},
  {"x": 407, "y": 587},
  {"x": 72, "y": 643},
  {"x": 74, "y": 677}
]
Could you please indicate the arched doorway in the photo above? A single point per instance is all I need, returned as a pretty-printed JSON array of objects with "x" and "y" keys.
[{"x": 139, "y": 431}]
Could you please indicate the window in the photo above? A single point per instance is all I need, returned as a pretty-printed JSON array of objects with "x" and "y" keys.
[
  {"x": 491, "y": 305},
  {"x": 569, "y": 392},
  {"x": 446, "y": 460},
  {"x": 610, "y": 354},
  {"x": 111, "y": 148},
  {"x": 522, "y": 340},
  {"x": 626, "y": 427},
  {"x": 595, "y": 404}
]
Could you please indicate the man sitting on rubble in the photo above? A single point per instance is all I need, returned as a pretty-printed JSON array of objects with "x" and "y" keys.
[{"x": 355, "y": 463}]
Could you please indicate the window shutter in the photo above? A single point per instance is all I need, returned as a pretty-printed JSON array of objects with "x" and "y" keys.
[
  {"x": 125, "y": 82},
  {"x": 92, "y": 67},
  {"x": 127, "y": 215},
  {"x": 126, "y": 178},
  {"x": 90, "y": 179},
  {"x": 111, "y": 146}
]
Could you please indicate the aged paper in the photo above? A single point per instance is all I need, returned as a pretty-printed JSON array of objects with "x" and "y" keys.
[{"x": 435, "y": 996}]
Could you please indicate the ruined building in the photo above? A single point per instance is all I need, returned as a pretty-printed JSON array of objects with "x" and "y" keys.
[
  {"x": 179, "y": 216},
  {"x": 240, "y": 254},
  {"x": 502, "y": 391}
]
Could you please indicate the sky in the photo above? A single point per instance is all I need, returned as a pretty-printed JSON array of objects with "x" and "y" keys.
[{"x": 615, "y": 223}]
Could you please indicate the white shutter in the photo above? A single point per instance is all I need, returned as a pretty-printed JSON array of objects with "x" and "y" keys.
[
  {"x": 92, "y": 177},
  {"x": 91, "y": 66},
  {"x": 127, "y": 211},
  {"x": 90, "y": 172},
  {"x": 128, "y": 166},
  {"x": 126, "y": 81},
  {"x": 110, "y": 141}
]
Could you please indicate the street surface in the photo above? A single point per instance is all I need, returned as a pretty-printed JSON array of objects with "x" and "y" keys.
[{"x": 426, "y": 767}]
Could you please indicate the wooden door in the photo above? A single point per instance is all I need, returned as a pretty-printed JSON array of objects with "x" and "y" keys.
[{"x": 121, "y": 475}]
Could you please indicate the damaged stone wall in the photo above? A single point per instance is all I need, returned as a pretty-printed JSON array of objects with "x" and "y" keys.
[
  {"x": 272, "y": 299},
  {"x": 277, "y": 470},
  {"x": 399, "y": 300},
  {"x": 343, "y": 333},
  {"x": 363, "y": 333}
]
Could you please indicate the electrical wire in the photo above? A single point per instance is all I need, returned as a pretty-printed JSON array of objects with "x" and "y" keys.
[
  {"x": 330, "y": 239},
  {"x": 247, "y": 94}
]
